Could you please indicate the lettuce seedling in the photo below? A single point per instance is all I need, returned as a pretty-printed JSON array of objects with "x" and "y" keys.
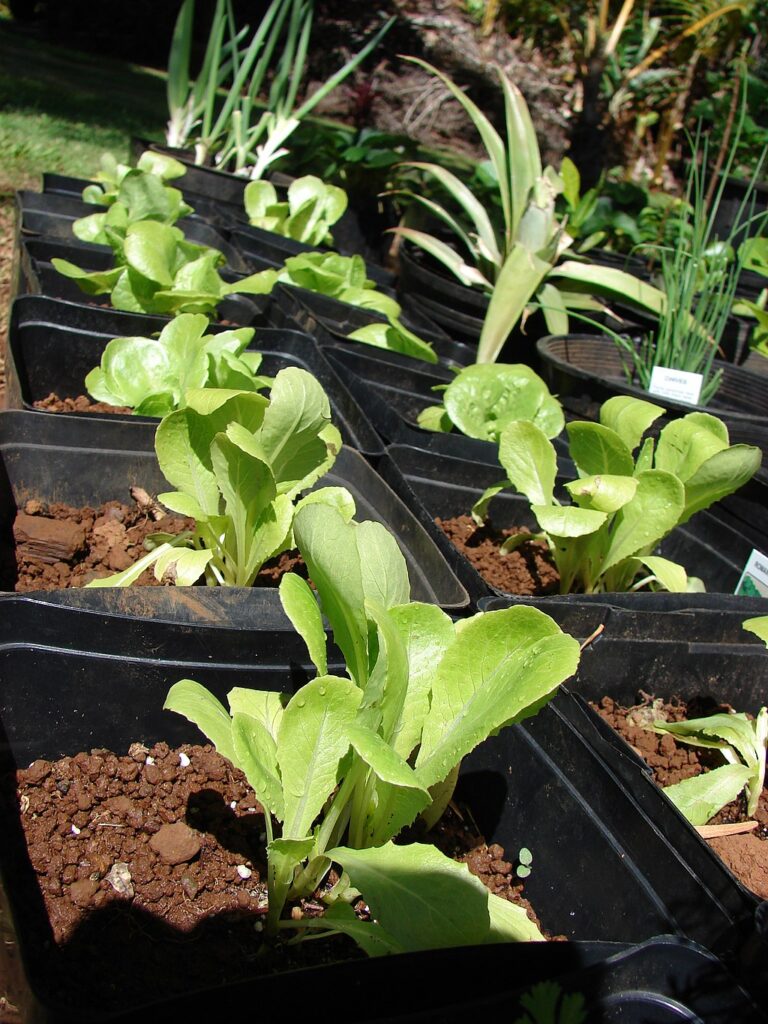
[
  {"x": 153, "y": 375},
  {"x": 140, "y": 195},
  {"x": 106, "y": 187},
  {"x": 158, "y": 271},
  {"x": 354, "y": 759},
  {"x": 743, "y": 742},
  {"x": 483, "y": 399},
  {"x": 239, "y": 463},
  {"x": 623, "y": 505},
  {"x": 345, "y": 278},
  {"x": 311, "y": 210}
]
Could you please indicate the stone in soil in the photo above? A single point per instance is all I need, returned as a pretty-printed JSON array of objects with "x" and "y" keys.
[
  {"x": 527, "y": 570},
  {"x": 746, "y": 854}
]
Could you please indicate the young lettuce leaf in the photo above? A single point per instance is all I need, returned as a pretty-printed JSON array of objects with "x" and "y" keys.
[
  {"x": 239, "y": 463},
  {"x": 622, "y": 506},
  {"x": 344, "y": 278},
  {"x": 158, "y": 271},
  {"x": 483, "y": 399},
  {"x": 153, "y": 375},
  {"x": 308, "y": 214}
]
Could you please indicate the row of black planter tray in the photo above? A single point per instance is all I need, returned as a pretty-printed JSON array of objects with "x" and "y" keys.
[{"x": 658, "y": 928}]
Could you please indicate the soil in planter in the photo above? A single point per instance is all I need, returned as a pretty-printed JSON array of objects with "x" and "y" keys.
[
  {"x": 745, "y": 854},
  {"x": 527, "y": 570},
  {"x": 81, "y": 403},
  {"x": 152, "y": 868},
  {"x": 57, "y": 546}
]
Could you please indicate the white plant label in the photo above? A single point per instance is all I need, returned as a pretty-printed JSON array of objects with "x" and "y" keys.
[
  {"x": 679, "y": 385},
  {"x": 754, "y": 579}
]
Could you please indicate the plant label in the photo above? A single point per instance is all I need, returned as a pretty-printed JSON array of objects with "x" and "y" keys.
[
  {"x": 754, "y": 578},
  {"x": 679, "y": 385}
]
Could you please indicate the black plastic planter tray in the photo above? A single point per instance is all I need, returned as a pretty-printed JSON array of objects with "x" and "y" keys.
[
  {"x": 585, "y": 370},
  {"x": 40, "y": 277},
  {"x": 219, "y": 215},
  {"x": 603, "y": 871},
  {"x": 33, "y": 310},
  {"x": 351, "y": 233},
  {"x": 438, "y": 485},
  {"x": 260, "y": 248},
  {"x": 696, "y": 651},
  {"x": 331, "y": 321},
  {"x": 456, "y": 307},
  {"x": 82, "y": 476},
  {"x": 47, "y": 358},
  {"x": 393, "y": 401},
  {"x": 51, "y": 216}
]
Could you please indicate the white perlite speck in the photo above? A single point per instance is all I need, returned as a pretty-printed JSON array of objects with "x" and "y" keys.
[
  {"x": 184, "y": 760},
  {"x": 243, "y": 871}
]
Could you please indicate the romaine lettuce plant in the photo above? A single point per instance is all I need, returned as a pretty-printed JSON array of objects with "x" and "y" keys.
[
  {"x": 354, "y": 759},
  {"x": 742, "y": 741},
  {"x": 239, "y": 463},
  {"x": 158, "y": 271},
  {"x": 345, "y": 278},
  {"x": 483, "y": 399},
  {"x": 622, "y": 505},
  {"x": 140, "y": 194},
  {"x": 308, "y": 214},
  {"x": 152, "y": 375}
]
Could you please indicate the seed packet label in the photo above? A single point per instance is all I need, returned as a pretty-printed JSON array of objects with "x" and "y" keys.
[
  {"x": 679, "y": 385},
  {"x": 754, "y": 579}
]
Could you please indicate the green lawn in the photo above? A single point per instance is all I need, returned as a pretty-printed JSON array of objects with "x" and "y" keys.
[{"x": 60, "y": 110}]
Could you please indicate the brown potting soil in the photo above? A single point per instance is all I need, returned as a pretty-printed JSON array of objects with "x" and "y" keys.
[
  {"x": 57, "y": 546},
  {"x": 82, "y": 403},
  {"x": 745, "y": 854},
  {"x": 527, "y": 570},
  {"x": 152, "y": 868}
]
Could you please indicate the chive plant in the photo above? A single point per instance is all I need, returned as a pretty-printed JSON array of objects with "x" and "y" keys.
[{"x": 699, "y": 275}]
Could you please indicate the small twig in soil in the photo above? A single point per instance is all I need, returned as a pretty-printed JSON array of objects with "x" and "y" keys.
[
  {"x": 146, "y": 503},
  {"x": 593, "y": 636},
  {"x": 734, "y": 829}
]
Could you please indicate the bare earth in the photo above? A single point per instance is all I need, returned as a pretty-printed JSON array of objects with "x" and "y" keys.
[{"x": 7, "y": 217}]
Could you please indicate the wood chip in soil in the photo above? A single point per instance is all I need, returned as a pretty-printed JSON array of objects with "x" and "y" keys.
[
  {"x": 526, "y": 571},
  {"x": 58, "y": 546},
  {"x": 746, "y": 855}
]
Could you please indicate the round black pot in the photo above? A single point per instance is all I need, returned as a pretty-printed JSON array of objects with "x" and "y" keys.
[
  {"x": 729, "y": 215},
  {"x": 585, "y": 370}
]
